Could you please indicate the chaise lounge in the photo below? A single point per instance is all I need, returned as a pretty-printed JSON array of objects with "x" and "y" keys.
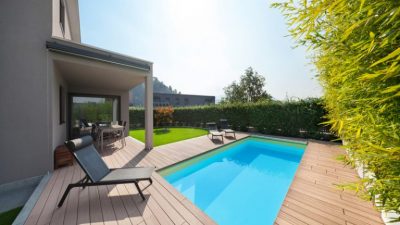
[
  {"x": 213, "y": 130},
  {"x": 226, "y": 128},
  {"x": 98, "y": 173}
]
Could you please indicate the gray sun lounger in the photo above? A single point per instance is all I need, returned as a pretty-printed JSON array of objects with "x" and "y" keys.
[
  {"x": 226, "y": 128},
  {"x": 98, "y": 173},
  {"x": 213, "y": 130}
]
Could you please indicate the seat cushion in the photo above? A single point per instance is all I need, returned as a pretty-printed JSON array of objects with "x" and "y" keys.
[
  {"x": 135, "y": 173},
  {"x": 79, "y": 143},
  {"x": 228, "y": 131},
  {"x": 216, "y": 133}
]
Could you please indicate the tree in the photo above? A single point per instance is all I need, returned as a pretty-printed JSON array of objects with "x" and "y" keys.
[
  {"x": 234, "y": 93},
  {"x": 356, "y": 50},
  {"x": 249, "y": 89}
]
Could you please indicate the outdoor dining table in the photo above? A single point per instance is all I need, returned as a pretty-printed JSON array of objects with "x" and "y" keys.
[{"x": 109, "y": 129}]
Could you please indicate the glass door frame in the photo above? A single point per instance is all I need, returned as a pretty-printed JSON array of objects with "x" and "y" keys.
[{"x": 70, "y": 102}]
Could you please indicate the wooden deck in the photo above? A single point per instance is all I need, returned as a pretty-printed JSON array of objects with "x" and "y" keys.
[{"x": 312, "y": 199}]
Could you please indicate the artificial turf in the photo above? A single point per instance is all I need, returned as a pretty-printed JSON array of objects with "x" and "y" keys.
[
  {"x": 162, "y": 136},
  {"x": 8, "y": 217}
]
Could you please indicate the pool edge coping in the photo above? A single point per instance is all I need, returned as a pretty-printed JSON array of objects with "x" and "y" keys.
[
  {"x": 280, "y": 139},
  {"x": 30, "y": 204}
]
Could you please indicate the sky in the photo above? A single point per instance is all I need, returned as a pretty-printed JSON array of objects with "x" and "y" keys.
[{"x": 202, "y": 46}]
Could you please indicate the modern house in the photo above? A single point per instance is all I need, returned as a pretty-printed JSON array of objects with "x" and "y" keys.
[
  {"x": 163, "y": 99},
  {"x": 45, "y": 71}
]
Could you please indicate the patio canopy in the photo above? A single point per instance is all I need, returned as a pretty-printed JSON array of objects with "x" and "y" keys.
[
  {"x": 85, "y": 66},
  {"x": 90, "y": 70}
]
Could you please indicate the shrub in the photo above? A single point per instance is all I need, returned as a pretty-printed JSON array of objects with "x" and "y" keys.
[
  {"x": 356, "y": 49},
  {"x": 277, "y": 118},
  {"x": 163, "y": 115}
]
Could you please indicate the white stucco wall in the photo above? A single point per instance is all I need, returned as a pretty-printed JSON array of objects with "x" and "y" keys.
[
  {"x": 56, "y": 27},
  {"x": 59, "y": 132}
]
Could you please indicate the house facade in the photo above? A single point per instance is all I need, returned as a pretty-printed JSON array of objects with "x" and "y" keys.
[
  {"x": 176, "y": 100},
  {"x": 45, "y": 71}
]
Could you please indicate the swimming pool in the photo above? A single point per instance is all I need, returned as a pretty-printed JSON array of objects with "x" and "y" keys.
[{"x": 242, "y": 183}]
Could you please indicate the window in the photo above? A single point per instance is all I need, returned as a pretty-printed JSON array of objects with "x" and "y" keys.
[
  {"x": 61, "y": 101},
  {"x": 62, "y": 15},
  {"x": 95, "y": 109},
  {"x": 209, "y": 101},
  {"x": 156, "y": 100},
  {"x": 86, "y": 110}
]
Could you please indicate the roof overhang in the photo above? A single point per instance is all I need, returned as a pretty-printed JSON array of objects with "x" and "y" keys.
[{"x": 88, "y": 67}]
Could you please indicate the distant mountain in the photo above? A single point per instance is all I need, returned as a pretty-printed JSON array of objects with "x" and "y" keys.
[{"x": 136, "y": 95}]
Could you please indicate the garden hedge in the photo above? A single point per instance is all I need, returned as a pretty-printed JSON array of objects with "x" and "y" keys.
[{"x": 290, "y": 118}]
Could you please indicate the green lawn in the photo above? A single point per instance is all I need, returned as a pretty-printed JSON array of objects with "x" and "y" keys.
[
  {"x": 9, "y": 216},
  {"x": 162, "y": 137}
]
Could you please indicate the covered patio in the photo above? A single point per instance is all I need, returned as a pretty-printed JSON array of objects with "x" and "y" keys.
[
  {"x": 85, "y": 75},
  {"x": 313, "y": 197}
]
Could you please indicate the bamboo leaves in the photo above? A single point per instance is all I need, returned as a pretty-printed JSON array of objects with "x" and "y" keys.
[
  {"x": 349, "y": 30},
  {"x": 362, "y": 2},
  {"x": 358, "y": 66},
  {"x": 395, "y": 53}
]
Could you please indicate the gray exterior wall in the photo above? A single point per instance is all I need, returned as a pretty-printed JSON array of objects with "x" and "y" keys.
[
  {"x": 162, "y": 99},
  {"x": 24, "y": 89},
  {"x": 30, "y": 126}
]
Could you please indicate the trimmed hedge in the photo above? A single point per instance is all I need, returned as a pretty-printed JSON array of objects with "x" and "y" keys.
[{"x": 290, "y": 118}]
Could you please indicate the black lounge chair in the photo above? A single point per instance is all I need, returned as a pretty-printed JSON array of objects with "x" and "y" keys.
[
  {"x": 97, "y": 172},
  {"x": 213, "y": 130},
  {"x": 226, "y": 128}
]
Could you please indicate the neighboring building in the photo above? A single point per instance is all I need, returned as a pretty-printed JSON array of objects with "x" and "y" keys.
[
  {"x": 162, "y": 99},
  {"x": 44, "y": 71}
]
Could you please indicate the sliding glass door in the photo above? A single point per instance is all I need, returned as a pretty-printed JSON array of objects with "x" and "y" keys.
[{"x": 85, "y": 110}]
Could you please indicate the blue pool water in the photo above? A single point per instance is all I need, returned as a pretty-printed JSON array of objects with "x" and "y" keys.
[{"x": 243, "y": 183}]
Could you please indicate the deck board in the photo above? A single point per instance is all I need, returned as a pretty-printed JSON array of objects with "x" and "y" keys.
[
  {"x": 58, "y": 216},
  {"x": 314, "y": 193},
  {"x": 71, "y": 213},
  {"x": 313, "y": 197}
]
